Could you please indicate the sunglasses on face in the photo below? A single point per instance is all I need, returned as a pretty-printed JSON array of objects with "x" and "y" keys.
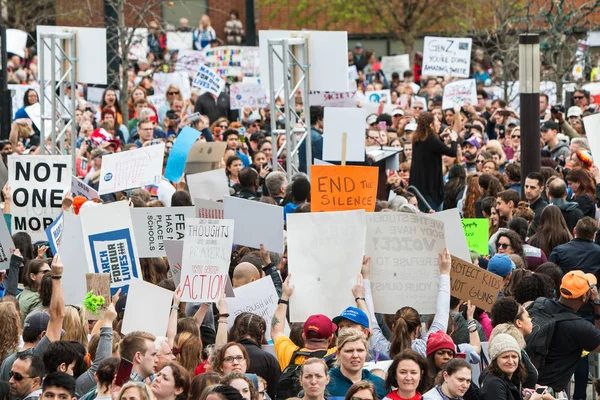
[
  {"x": 515, "y": 136},
  {"x": 578, "y": 97},
  {"x": 223, "y": 126},
  {"x": 502, "y": 245},
  {"x": 17, "y": 376},
  {"x": 172, "y": 93}
]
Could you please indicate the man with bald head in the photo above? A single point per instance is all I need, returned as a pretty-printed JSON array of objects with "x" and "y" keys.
[
  {"x": 557, "y": 195},
  {"x": 244, "y": 273}
]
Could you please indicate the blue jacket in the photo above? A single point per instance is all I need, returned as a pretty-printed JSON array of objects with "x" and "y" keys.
[
  {"x": 339, "y": 385},
  {"x": 316, "y": 145}
]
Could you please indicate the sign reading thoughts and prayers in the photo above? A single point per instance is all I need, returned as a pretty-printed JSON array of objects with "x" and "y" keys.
[
  {"x": 443, "y": 56},
  {"x": 469, "y": 282},
  {"x": 337, "y": 188}
]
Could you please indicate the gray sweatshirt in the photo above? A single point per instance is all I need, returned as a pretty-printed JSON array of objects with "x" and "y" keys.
[{"x": 86, "y": 381}]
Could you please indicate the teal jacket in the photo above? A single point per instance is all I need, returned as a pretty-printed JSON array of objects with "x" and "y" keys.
[{"x": 339, "y": 385}]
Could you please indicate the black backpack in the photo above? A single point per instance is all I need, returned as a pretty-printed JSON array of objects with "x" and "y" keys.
[
  {"x": 545, "y": 314},
  {"x": 289, "y": 381}
]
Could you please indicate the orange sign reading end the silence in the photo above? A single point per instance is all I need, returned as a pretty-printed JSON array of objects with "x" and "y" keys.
[{"x": 343, "y": 188}]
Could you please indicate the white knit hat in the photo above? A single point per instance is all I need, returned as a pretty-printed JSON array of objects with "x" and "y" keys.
[{"x": 502, "y": 343}]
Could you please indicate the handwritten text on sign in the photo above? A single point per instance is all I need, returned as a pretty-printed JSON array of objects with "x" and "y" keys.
[
  {"x": 476, "y": 233},
  {"x": 443, "y": 56},
  {"x": 459, "y": 93},
  {"x": 336, "y": 188},
  {"x": 469, "y": 282}
]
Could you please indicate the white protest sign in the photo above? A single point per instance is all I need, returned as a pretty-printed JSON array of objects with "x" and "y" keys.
[
  {"x": 592, "y": 130},
  {"x": 189, "y": 61},
  {"x": 78, "y": 188},
  {"x": 459, "y": 93},
  {"x": 34, "y": 112},
  {"x": 136, "y": 312},
  {"x": 337, "y": 121},
  {"x": 54, "y": 233},
  {"x": 180, "y": 40},
  {"x": 138, "y": 48},
  {"x": 211, "y": 185},
  {"x": 131, "y": 169},
  {"x": 391, "y": 64},
  {"x": 325, "y": 252},
  {"x": 16, "y": 40},
  {"x": 352, "y": 72},
  {"x": 181, "y": 79},
  {"x": 258, "y": 297},
  {"x": 38, "y": 184},
  {"x": 208, "y": 209},
  {"x": 404, "y": 252},
  {"x": 6, "y": 245},
  {"x": 174, "y": 250},
  {"x": 153, "y": 225},
  {"x": 247, "y": 95},
  {"x": 206, "y": 257},
  {"x": 74, "y": 259},
  {"x": 456, "y": 241},
  {"x": 377, "y": 96},
  {"x": 333, "y": 99},
  {"x": 208, "y": 81},
  {"x": 110, "y": 243},
  {"x": 444, "y": 56},
  {"x": 321, "y": 162},
  {"x": 249, "y": 214}
]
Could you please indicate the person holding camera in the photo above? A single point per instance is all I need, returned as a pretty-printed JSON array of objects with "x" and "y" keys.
[{"x": 558, "y": 114}]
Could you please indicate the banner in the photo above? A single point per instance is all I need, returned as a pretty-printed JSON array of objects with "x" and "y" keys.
[
  {"x": 206, "y": 256},
  {"x": 469, "y": 282},
  {"x": 39, "y": 184},
  {"x": 153, "y": 225},
  {"x": 337, "y": 188},
  {"x": 444, "y": 56},
  {"x": 404, "y": 251},
  {"x": 247, "y": 95},
  {"x": 476, "y": 232},
  {"x": 79, "y": 188},
  {"x": 459, "y": 93},
  {"x": 208, "y": 81}
]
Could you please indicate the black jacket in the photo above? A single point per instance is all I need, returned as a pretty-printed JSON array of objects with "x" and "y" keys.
[
  {"x": 206, "y": 105},
  {"x": 537, "y": 207},
  {"x": 263, "y": 364},
  {"x": 577, "y": 255},
  {"x": 496, "y": 388},
  {"x": 586, "y": 205},
  {"x": 570, "y": 212}
]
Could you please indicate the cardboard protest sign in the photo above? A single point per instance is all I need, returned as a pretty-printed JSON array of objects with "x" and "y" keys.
[
  {"x": 208, "y": 81},
  {"x": 179, "y": 153},
  {"x": 459, "y": 93},
  {"x": 153, "y": 225},
  {"x": 174, "y": 250},
  {"x": 377, "y": 96},
  {"x": 476, "y": 232},
  {"x": 205, "y": 156},
  {"x": 444, "y": 56},
  {"x": 38, "y": 184},
  {"x": 325, "y": 253},
  {"x": 337, "y": 188},
  {"x": 131, "y": 169},
  {"x": 180, "y": 40},
  {"x": 592, "y": 129},
  {"x": 6, "y": 245},
  {"x": 99, "y": 285},
  {"x": 54, "y": 233},
  {"x": 337, "y": 121},
  {"x": 206, "y": 257},
  {"x": 136, "y": 312},
  {"x": 79, "y": 188},
  {"x": 110, "y": 243},
  {"x": 391, "y": 64},
  {"x": 456, "y": 240},
  {"x": 258, "y": 297},
  {"x": 74, "y": 259},
  {"x": 247, "y": 95},
  {"x": 211, "y": 185},
  {"x": 189, "y": 61},
  {"x": 16, "y": 41},
  {"x": 404, "y": 250},
  {"x": 248, "y": 215},
  {"x": 469, "y": 282},
  {"x": 209, "y": 209}
]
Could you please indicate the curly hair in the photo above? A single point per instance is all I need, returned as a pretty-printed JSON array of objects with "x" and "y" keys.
[
  {"x": 515, "y": 242},
  {"x": 473, "y": 194},
  {"x": 533, "y": 286},
  {"x": 504, "y": 310},
  {"x": 10, "y": 329}
]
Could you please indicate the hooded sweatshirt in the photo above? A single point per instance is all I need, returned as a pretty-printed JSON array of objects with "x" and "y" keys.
[
  {"x": 570, "y": 211},
  {"x": 561, "y": 150}
]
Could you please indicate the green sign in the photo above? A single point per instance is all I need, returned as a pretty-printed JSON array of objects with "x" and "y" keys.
[{"x": 476, "y": 232}]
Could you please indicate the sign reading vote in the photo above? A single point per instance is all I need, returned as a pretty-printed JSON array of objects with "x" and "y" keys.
[
  {"x": 444, "y": 56},
  {"x": 469, "y": 282},
  {"x": 476, "y": 232},
  {"x": 337, "y": 188}
]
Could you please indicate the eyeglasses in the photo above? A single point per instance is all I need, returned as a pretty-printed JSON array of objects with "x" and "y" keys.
[
  {"x": 404, "y": 170},
  {"x": 515, "y": 136},
  {"x": 172, "y": 93},
  {"x": 578, "y": 97},
  {"x": 230, "y": 359},
  {"x": 17, "y": 376},
  {"x": 480, "y": 161},
  {"x": 418, "y": 108},
  {"x": 502, "y": 245},
  {"x": 223, "y": 126}
]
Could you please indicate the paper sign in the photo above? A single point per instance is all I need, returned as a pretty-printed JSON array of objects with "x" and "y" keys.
[
  {"x": 205, "y": 157},
  {"x": 469, "y": 282},
  {"x": 79, "y": 188},
  {"x": 336, "y": 188},
  {"x": 333, "y": 99},
  {"x": 162, "y": 81},
  {"x": 249, "y": 214},
  {"x": 325, "y": 253},
  {"x": 6, "y": 245},
  {"x": 174, "y": 250},
  {"x": 443, "y": 56},
  {"x": 179, "y": 153},
  {"x": 16, "y": 40},
  {"x": 391, "y": 64},
  {"x": 138, "y": 48},
  {"x": 180, "y": 40},
  {"x": 352, "y": 73},
  {"x": 459, "y": 93},
  {"x": 456, "y": 240},
  {"x": 339, "y": 120},
  {"x": 131, "y": 169},
  {"x": 153, "y": 225},
  {"x": 247, "y": 95},
  {"x": 99, "y": 285},
  {"x": 258, "y": 297},
  {"x": 404, "y": 250},
  {"x": 208, "y": 81},
  {"x": 136, "y": 312},
  {"x": 592, "y": 129},
  {"x": 211, "y": 185},
  {"x": 54, "y": 233},
  {"x": 476, "y": 232},
  {"x": 209, "y": 209},
  {"x": 232, "y": 60},
  {"x": 321, "y": 162},
  {"x": 39, "y": 184},
  {"x": 377, "y": 96},
  {"x": 206, "y": 257},
  {"x": 74, "y": 259},
  {"x": 189, "y": 61}
]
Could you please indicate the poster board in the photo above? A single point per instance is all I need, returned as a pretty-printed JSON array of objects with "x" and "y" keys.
[
  {"x": 6, "y": 245},
  {"x": 211, "y": 185},
  {"x": 16, "y": 41},
  {"x": 174, "y": 250},
  {"x": 209, "y": 81},
  {"x": 154, "y": 225},
  {"x": 391, "y": 64},
  {"x": 136, "y": 312},
  {"x": 247, "y": 95},
  {"x": 456, "y": 241},
  {"x": 459, "y": 93},
  {"x": 79, "y": 188},
  {"x": 74, "y": 259},
  {"x": 180, "y": 40},
  {"x": 592, "y": 128},
  {"x": 189, "y": 61},
  {"x": 338, "y": 188},
  {"x": 179, "y": 153},
  {"x": 336, "y": 121},
  {"x": 476, "y": 233},
  {"x": 470, "y": 282},
  {"x": 446, "y": 56}
]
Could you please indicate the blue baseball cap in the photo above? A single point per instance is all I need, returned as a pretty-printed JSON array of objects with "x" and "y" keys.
[
  {"x": 355, "y": 315},
  {"x": 501, "y": 265}
]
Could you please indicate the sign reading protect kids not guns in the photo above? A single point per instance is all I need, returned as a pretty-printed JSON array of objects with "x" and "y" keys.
[
  {"x": 341, "y": 188},
  {"x": 469, "y": 282}
]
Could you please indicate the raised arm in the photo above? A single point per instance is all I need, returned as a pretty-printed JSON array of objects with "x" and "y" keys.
[
  {"x": 473, "y": 334},
  {"x": 222, "y": 328},
  {"x": 442, "y": 311},
  {"x": 57, "y": 301},
  {"x": 358, "y": 291},
  {"x": 172, "y": 326},
  {"x": 278, "y": 321}
]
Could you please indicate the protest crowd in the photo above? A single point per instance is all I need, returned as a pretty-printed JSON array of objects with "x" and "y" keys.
[{"x": 457, "y": 283}]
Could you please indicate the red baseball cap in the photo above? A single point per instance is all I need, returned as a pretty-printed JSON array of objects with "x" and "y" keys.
[{"x": 321, "y": 325}]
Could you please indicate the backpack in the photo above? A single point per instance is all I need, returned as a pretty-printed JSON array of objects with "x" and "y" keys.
[
  {"x": 545, "y": 314},
  {"x": 289, "y": 382}
]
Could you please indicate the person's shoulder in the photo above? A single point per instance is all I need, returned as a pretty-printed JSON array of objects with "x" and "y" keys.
[{"x": 432, "y": 394}]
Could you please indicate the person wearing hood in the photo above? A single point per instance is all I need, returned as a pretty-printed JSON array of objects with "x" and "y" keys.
[
  {"x": 558, "y": 150},
  {"x": 557, "y": 194}
]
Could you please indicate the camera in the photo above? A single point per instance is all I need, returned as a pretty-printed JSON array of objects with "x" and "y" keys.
[
  {"x": 172, "y": 114},
  {"x": 194, "y": 117},
  {"x": 558, "y": 108}
]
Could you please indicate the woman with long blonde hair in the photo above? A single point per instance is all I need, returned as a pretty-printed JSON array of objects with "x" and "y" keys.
[
  {"x": 187, "y": 350},
  {"x": 75, "y": 325},
  {"x": 10, "y": 329}
]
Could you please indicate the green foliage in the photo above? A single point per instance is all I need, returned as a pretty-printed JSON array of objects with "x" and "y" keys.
[{"x": 92, "y": 303}]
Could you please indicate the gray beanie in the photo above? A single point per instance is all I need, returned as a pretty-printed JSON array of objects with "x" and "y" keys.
[{"x": 501, "y": 343}]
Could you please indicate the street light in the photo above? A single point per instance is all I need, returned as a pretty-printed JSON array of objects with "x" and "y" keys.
[{"x": 529, "y": 84}]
